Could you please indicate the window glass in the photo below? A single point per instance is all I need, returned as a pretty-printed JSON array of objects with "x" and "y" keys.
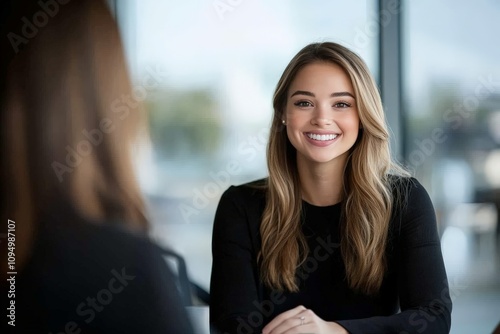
[{"x": 452, "y": 81}]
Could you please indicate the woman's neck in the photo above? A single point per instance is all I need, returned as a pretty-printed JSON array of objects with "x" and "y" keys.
[{"x": 321, "y": 183}]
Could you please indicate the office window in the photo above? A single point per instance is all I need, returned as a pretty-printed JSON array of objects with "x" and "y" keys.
[{"x": 452, "y": 82}]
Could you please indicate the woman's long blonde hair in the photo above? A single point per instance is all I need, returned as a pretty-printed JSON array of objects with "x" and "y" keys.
[
  {"x": 368, "y": 194},
  {"x": 60, "y": 100}
]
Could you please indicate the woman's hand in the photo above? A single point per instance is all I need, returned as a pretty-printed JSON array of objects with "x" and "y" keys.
[{"x": 301, "y": 320}]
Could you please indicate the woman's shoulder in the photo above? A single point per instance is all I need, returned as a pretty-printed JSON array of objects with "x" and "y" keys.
[
  {"x": 243, "y": 203},
  {"x": 407, "y": 189},
  {"x": 94, "y": 244},
  {"x": 254, "y": 191},
  {"x": 413, "y": 211},
  {"x": 76, "y": 258},
  {"x": 405, "y": 181}
]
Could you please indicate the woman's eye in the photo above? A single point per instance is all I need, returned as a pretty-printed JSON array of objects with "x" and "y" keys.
[
  {"x": 342, "y": 105},
  {"x": 303, "y": 104}
]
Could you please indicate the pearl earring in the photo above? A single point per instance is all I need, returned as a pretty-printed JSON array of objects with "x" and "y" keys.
[{"x": 283, "y": 121}]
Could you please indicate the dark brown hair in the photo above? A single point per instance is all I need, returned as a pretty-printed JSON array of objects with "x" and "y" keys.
[{"x": 63, "y": 142}]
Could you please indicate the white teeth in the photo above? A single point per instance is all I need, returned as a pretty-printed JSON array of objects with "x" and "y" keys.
[{"x": 321, "y": 137}]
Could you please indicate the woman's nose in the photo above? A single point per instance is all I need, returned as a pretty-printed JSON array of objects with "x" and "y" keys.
[{"x": 321, "y": 115}]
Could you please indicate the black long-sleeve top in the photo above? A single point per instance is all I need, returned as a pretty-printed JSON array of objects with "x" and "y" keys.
[{"x": 414, "y": 296}]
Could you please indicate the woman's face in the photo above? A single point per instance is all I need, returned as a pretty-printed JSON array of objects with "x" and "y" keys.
[{"x": 321, "y": 115}]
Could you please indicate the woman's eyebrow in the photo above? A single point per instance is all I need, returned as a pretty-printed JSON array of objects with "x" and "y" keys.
[
  {"x": 336, "y": 94},
  {"x": 342, "y": 94}
]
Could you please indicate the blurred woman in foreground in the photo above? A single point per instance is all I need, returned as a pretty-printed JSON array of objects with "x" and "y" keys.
[{"x": 68, "y": 188}]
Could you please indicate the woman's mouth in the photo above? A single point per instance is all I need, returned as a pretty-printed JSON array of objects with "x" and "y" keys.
[{"x": 321, "y": 137}]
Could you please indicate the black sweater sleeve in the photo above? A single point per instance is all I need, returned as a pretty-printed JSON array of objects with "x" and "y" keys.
[
  {"x": 234, "y": 280},
  {"x": 422, "y": 284}
]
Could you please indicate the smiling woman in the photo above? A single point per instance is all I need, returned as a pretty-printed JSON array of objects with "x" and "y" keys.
[{"x": 327, "y": 243}]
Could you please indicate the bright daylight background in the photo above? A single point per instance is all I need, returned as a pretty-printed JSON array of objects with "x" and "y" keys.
[{"x": 209, "y": 118}]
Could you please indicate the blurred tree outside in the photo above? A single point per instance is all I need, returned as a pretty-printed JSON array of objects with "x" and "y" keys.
[{"x": 184, "y": 123}]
